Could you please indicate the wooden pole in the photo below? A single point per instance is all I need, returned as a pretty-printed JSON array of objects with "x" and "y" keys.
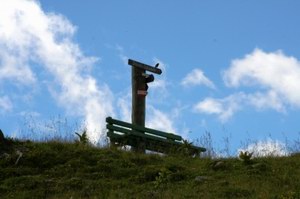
[
  {"x": 139, "y": 80},
  {"x": 138, "y": 102}
]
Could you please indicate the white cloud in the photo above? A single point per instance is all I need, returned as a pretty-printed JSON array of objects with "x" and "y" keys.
[
  {"x": 197, "y": 77},
  {"x": 14, "y": 36},
  {"x": 275, "y": 76},
  {"x": 5, "y": 104},
  {"x": 267, "y": 147},
  {"x": 274, "y": 72},
  {"x": 159, "y": 84},
  {"x": 15, "y": 70},
  {"x": 160, "y": 120},
  {"x": 158, "y": 91},
  {"x": 268, "y": 100},
  {"x": 29, "y": 35},
  {"x": 224, "y": 108},
  {"x": 124, "y": 106},
  {"x": 210, "y": 106}
]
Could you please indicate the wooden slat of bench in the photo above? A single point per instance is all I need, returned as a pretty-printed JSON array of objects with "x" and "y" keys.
[
  {"x": 143, "y": 129},
  {"x": 201, "y": 149},
  {"x": 115, "y": 135},
  {"x": 118, "y": 129},
  {"x": 150, "y": 144},
  {"x": 136, "y": 133},
  {"x": 129, "y": 132}
]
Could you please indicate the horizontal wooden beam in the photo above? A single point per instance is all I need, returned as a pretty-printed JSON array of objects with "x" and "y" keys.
[
  {"x": 144, "y": 66},
  {"x": 151, "y": 143},
  {"x": 110, "y": 120},
  {"x": 141, "y": 135}
]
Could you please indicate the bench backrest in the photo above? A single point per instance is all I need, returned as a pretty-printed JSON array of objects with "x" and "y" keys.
[{"x": 128, "y": 128}]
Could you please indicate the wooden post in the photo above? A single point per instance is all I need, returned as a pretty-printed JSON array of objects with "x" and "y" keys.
[
  {"x": 138, "y": 98},
  {"x": 138, "y": 103},
  {"x": 139, "y": 93}
]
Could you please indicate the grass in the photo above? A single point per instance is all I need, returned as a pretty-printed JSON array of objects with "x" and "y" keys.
[{"x": 73, "y": 170}]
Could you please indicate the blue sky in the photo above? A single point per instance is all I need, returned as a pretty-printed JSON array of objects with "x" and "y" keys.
[{"x": 229, "y": 67}]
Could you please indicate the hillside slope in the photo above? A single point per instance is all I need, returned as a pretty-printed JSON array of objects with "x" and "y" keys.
[{"x": 72, "y": 170}]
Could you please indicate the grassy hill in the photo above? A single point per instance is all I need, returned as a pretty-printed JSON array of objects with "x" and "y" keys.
[{"x": 73, "y": 170}]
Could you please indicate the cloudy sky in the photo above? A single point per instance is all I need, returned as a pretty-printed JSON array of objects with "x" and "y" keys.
[{"x": 230, "y": 68}]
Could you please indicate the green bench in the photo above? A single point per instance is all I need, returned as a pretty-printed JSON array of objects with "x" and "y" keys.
[{"x": 123, "y": 133}]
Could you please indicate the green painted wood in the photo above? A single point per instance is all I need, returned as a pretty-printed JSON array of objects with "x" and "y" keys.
[
  {"x": 151, "y": 140},
  {"x": 131, "y": 134},
  {"x": 201, "y": 149},
  {"x": 144, "y": 129},
  {"x": 115, "y": 136},
  {"x": 137, "y": 134},
  {"x": 153, "y": 145},
  {"x": 119, "y": 129}
]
